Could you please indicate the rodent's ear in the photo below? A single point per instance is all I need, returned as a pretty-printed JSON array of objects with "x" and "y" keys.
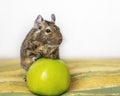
[
  {"x": 53, "y": 18},
  {"x": 38, "y": 22}
]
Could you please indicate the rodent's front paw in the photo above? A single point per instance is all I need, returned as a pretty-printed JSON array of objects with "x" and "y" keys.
[{"x": 36, "y": 57}]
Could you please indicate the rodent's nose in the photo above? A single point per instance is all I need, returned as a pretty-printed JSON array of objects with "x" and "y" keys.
[{"x": 59, "y": 41}]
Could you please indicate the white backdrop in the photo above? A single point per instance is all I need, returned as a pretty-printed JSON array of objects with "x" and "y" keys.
[{"x": 91, "y": 28}]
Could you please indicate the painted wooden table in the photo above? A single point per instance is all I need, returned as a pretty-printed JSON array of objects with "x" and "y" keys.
[{"x": 92, "y": 77}]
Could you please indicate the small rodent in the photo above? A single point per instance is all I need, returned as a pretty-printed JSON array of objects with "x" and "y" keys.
[{"x": 42, "y": 41}]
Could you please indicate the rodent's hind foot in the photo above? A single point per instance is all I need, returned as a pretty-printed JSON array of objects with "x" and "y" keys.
[{"x": 25, "y": 79}]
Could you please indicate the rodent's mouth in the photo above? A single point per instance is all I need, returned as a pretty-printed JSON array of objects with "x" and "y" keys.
[
  {"x": 52, "y": 45},
  {"x": 53, "y": 41}
]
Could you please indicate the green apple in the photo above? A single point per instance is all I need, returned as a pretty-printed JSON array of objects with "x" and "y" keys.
[{"x": 48, "y": 77}]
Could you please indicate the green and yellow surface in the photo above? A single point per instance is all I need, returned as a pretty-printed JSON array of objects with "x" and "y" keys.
[{"x": 92, "y": 77}]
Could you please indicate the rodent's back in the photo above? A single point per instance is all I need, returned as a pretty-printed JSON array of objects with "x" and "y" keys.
[{"x": 25, "y": 42}]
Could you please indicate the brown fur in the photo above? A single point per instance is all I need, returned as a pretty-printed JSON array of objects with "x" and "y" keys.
[{"x": 40, "y": 44}]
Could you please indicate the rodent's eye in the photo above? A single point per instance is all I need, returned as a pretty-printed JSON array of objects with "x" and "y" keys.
[{"x": 47, "y": 30}]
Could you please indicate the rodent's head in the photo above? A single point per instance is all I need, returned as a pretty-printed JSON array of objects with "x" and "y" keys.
[{"x": 47, "y": 32}]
